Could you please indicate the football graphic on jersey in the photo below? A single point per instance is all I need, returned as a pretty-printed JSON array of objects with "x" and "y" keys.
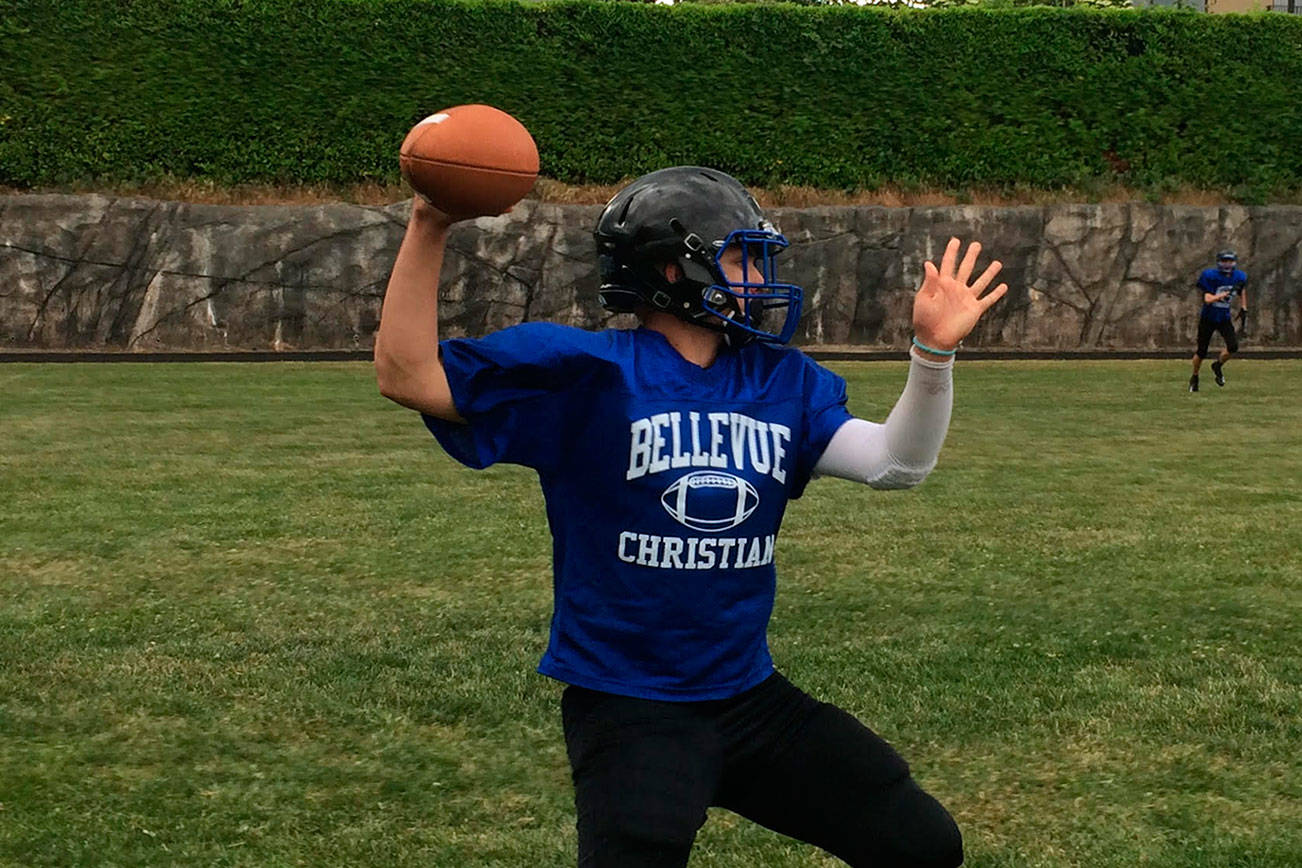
[{"x": 710, "y": 501}]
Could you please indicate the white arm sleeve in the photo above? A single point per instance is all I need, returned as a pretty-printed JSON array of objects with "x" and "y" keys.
[{"x": 902, "y": 451}]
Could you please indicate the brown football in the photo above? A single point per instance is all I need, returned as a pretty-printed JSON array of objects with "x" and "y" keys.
[{"x": 470, "y": 160}]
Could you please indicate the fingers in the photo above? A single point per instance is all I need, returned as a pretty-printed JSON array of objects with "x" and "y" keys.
[
  {"x": 993, "y": 297},
  {"x": 950, "y": 257},
  {"x": 423, "y": 209},
  {"x": 986, "y": 276},
  {"x": 940, "y": 278},
  {"x": 929, "y": 274},
  {"x": 969, "y": 262}
]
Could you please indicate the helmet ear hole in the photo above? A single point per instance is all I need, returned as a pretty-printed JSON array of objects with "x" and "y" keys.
[{"x": 696, "y": 272}]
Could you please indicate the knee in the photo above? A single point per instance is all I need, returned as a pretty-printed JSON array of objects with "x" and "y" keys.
[
  {"x": 632, "y": 834},
  {"x": 937, "y": 842},
  {"x": 944, "y": 849},
  {"x": 918, "y": 833},
  {"x": 668, "y": 827}
]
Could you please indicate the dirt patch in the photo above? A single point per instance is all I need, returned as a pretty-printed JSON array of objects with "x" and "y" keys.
[{"x": 547, "y": 190}]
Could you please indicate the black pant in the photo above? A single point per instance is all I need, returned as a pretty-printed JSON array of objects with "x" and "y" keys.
[
  {"x": 1206, "y": 328},
  {"x": 645, "y": 771}
]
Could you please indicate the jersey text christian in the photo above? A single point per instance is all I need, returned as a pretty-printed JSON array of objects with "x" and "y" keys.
[{"x": 705, "y": 500}]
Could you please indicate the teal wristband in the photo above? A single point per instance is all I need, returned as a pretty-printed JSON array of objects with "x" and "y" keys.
[{"x": 926, "y": 349}]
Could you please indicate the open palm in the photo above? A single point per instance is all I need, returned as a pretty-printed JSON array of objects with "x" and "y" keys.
[{"x": 946, "y": 306}]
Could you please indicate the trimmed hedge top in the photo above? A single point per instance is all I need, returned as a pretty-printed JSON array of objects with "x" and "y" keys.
[{"x": 836, "y": 97}]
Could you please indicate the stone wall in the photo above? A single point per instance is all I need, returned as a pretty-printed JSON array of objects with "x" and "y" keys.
[{"x": 93, "y": 272}]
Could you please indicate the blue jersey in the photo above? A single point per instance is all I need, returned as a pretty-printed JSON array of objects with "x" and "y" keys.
[
  {"x": 1214, "y": 280},
  {"x": 665, "y": 484}
]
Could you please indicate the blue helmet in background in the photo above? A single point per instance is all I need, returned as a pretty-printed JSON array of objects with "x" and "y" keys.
[{"x": 690, "y": 215}]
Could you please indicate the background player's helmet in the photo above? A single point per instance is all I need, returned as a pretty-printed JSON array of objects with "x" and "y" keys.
[
  {"x": 689, "y": 215},
  {"x": 1224, "y": 257}
]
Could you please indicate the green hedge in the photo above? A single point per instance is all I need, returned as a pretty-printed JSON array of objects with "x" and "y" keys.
[{"x": 839, "y": 97}]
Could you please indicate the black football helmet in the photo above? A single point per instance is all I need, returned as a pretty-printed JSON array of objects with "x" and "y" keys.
[{"x": 690, "y": 215}]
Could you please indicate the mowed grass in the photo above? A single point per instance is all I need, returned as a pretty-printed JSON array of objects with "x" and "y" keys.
[{"x": 251, "y": 615}]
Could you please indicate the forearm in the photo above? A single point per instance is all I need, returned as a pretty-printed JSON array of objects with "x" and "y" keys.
[
  {"x": 900, "y": 452},
  {"x": 917, "y": 425},
  {"x": 407, "y": 365}
]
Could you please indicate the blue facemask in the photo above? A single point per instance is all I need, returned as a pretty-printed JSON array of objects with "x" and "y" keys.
[{"x": 751, "y": 304}]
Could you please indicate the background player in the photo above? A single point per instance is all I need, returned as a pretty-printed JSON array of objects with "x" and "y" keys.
[
  {"x": 667, "y": 455},
  {"x": 1219, "y": 286}
]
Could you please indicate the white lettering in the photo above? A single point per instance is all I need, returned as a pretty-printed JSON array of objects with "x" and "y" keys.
[
  {"x": 727, "y": 544},
  {"x": 626, "y": 537},
  {"x": 681, "y": 458},
  {"x": 647, "y": 547},
  {"x": 695, "y": 553},
  {"x": 707, "y": 554},
  {"x": 780, "y": 433},
  {"x": 659, "y": 442},
  {"x": 739, "y": 425},
  {"x": 639, "y": 455},
  {"x": 717, "y": 458},
  {"x": 659, "y": 461},
  {"x": 673, "y": 548},
  {"x": 758, "y": 440},
  {"x": 699, "y": 458}
]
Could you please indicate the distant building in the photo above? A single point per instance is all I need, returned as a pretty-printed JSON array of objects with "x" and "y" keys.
[{"x": 1238, "y": 5}]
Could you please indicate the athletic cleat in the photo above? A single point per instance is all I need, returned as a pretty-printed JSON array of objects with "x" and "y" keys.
[
  {"x": 1193, "y": 383},
  {"x": 1220, "y": 377}
]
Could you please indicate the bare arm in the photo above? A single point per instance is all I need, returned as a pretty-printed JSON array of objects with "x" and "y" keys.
[{"x": 408, "y": 369}]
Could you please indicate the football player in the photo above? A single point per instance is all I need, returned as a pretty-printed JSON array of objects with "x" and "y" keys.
[
  {"x": 667, "y": 455},
  {"x": 1219, "y": 286}
]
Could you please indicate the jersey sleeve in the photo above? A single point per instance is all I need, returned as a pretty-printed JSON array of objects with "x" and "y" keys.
[
  {"x": 513, "y": 388},
  {"x": 824, "y": 413},
  {"x": 1205, "y": 283}
]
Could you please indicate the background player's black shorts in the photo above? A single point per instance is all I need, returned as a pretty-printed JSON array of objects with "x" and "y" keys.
[
  {"x": 1205, "y": 330},
  {"x": 645, "y": 771}
]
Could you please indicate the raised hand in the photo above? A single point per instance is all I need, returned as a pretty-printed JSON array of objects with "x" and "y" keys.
[
  {"x": 946, "y": 306},
  {"x": 423, "y": 209}
]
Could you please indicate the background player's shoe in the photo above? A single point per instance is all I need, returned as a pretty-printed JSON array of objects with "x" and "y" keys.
[
  {"x": 1193, "y": 383},
  {"x": 1216, "y": 369}
]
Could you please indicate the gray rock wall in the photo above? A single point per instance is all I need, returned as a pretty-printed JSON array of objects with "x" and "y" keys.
[{"x": 95, "y": 272}]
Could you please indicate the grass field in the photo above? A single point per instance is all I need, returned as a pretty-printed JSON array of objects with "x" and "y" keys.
[{"x": 251, "y": 615}]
